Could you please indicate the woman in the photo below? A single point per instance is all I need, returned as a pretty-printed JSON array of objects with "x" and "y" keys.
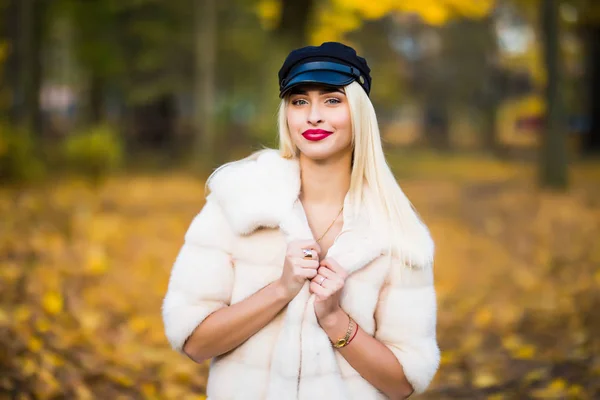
[{"x": 307, "y": 274}]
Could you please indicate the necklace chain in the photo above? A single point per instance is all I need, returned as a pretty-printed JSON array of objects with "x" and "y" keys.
[{"x": 330, "y": 225}]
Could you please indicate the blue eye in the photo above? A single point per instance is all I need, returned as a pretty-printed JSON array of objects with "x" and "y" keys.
[
  {"x": 298, "y": 102},
  {"x": 333, "y": 100}
]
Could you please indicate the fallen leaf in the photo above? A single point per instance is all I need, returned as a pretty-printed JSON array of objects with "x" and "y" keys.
[{"x": 52, "y": 302}]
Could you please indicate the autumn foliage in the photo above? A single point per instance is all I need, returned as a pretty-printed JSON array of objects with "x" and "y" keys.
[{"x": 83, "y": 270}]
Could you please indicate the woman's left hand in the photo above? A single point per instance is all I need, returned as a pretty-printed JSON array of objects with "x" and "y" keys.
[{"x": 327, "y": 286}]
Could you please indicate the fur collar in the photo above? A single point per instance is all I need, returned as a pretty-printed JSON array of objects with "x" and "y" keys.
[
  {"x": 263, "y": 192},
  {"x": 258, "y": 192}
]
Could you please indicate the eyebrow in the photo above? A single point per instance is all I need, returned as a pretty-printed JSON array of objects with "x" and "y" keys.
[{"x": 322, "y": 91}]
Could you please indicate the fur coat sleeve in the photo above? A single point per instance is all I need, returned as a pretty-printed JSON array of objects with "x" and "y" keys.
[
  {"x": 406, "y": 321},
  {"x": 202, "y": 277}
]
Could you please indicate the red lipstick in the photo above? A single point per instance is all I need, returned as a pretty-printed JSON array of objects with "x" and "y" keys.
[{"x": 314, "y": 135}]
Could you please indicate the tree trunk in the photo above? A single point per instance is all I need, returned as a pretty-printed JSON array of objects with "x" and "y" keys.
[
  {"x": 154, "y": 123},
  {"x": 28, "y": 64},
  {"x": 39, "y": 12},
  {"x": 295, "y": 15},
  {"x": 205, "y": 88},
  {"x": 437, "y": 123},
  {"x": 591, "y": 144},
  {"x": 491, "y": 98},
  {"x": 553, "y": 157},
  {"x": 490, "y": 117},
  {"x": 96, "y": 100},
  {"x": 10, "y": 68}
]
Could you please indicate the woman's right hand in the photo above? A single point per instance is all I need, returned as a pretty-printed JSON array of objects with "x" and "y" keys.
[{"x": 296, "y": 269}]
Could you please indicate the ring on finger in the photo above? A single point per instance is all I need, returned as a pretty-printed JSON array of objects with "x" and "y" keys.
[
  {"x": 308, "y": 254},
  {"x": 322, "y": 280}
]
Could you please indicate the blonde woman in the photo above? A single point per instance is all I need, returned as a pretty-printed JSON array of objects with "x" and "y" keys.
[{"x": 307, "y": 274}]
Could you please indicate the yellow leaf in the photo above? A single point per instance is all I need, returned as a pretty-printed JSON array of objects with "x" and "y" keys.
[
  {"x": 138, "y": 324},
  {"x": 83, "y": 393},
  {"x": 120, "y": 378},
  {"x": 435, "y": 14},
  {"x": 42, "y": 325},
  {"x": 448, "y": 357},
  {"x": 269, "y": 13},
  {"x": 483, "y": 318},
  {"x": 22, "y": 313},
  {"x": 52, "y": 360},
  {"x": 10, "y": 272},
  {"x": 558, "y": 385},
  {"x": 525, "y": 278},
  {"x": 97, "y": 263},
  {"x": 29, "y": 367},
  {"x": 149, "y": 390},
  {"x": 90, "y": 320},
  {"x": 472, "y": 342},
  {"x": 576, "y": 391},
  {"x": 536, "y": 375},
  {"x": 52, "y": 302},
  {"x": 484, "y": 379},
  {"x": 555, "y": 390},
  {"x": 34, "y": 344},
  {"x": 508, "y": 314},
  {"x": 171, "y": 391},
  {"x": 512, "y": 342},
  {"x": 197, "y": 397},
  {"x": 525, "y": 352},
  {"x": 51, "y": 384}
]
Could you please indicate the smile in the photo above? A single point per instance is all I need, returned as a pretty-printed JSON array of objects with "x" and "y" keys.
[{"x": 315, "y": 135}]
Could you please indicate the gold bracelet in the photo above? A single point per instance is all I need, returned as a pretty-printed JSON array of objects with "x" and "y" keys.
[{"x": 344, "y": 341}]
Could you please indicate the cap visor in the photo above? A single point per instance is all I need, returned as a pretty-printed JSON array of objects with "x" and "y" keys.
[{"x": 329, "y": 78}]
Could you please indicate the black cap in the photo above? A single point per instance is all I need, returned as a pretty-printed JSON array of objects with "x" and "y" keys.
[{"x": 331, "y": 63}]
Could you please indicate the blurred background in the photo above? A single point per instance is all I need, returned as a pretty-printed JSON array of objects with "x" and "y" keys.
[{"x": 114, "y": 112}]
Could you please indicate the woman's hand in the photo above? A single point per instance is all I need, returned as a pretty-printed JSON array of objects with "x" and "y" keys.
[
  {"x": 327, "y": 285},
  {"x": 297, "y": 269}
]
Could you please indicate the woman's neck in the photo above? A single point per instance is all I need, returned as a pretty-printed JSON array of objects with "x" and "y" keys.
[{"x": 325, "y": 182}]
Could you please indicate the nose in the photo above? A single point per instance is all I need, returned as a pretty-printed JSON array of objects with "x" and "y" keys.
[{"x": 314, "y": 115}]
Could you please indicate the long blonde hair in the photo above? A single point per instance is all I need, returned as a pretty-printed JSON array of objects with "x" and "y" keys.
[{"x": 409, "y": 238}]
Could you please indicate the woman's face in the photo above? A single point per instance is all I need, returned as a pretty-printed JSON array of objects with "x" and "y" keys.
[{"x": 319, "y": 121}]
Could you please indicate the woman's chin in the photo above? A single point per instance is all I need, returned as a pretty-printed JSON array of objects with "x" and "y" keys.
[{"x": 316, "y": 152}]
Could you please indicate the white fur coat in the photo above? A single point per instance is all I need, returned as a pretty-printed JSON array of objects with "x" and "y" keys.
[{"x": 236, "y": 246}]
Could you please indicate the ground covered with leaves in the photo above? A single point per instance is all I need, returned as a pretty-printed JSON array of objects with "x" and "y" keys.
[{"x": 83, "y": 271}]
